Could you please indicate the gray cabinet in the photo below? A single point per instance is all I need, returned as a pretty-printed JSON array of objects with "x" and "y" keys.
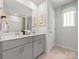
[
  {"x": 38, "y": 45},
  {"x": 12, "y": 54},
  {"x": 22, "y": 52},
  {"x": 38, "y": 48},
  {"x": 17, "y": 49},
  {"x": 23, "y": 48},
  {"x": 27, "y": 53}
]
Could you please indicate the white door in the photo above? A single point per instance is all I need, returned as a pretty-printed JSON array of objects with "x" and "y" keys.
[
  {"x": 70, "y": 33},
  {"x": 12, "y": 54},
  {"x": 51, "y": 28},
  {"x": 27, "y": 51}
]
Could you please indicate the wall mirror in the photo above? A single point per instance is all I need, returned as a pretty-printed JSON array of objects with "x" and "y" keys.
[{"x": 11, "y": 23}]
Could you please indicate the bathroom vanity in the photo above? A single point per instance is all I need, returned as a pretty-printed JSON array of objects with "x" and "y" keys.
[
  {"x": 18, "y": 18},
  {"x": 22, "y": 47}
]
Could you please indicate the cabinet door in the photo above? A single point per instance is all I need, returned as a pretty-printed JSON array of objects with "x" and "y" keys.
[
  {"x": 27, "y": 53},
  {"x": 38, "y": 48},
  {"x": 12, "y": 54},
  {"x": 41, "y": 46}
]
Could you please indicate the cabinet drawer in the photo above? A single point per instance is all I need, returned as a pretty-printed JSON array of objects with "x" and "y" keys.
[
  {"x": 42, "y": 36},
  {"x": 13, "y": 43}
]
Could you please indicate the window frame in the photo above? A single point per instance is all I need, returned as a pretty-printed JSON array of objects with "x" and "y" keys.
[{"x": 66, "y": 22}]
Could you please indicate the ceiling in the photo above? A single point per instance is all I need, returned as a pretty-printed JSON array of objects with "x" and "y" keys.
[
  {"x": 57, "y": 3},
  {"x": 37, "y": 2},
  {"x": 31, "y": 3},
  {"x": 28, "y": 3},
  {"x": 34, "y": 3}
]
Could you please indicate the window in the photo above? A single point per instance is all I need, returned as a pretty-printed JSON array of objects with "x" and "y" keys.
[{"x": 68, "y": 18}]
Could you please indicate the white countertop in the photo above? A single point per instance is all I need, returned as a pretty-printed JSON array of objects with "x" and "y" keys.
[{"x": 6, "y": 38}]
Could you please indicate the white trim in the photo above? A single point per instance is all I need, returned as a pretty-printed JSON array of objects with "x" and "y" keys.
[{"x": 66, "y": 47}]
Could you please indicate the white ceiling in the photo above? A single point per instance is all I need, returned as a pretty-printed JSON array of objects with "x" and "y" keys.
[
  {"x": 28, "y": 3},
  {"x": 31, "y": 3},
  {"x": 37, "y": 2},
  {"x": 55, "y": 3},
  {"x": 34, "y": 3},
  {"x": 58, "y": 3}
]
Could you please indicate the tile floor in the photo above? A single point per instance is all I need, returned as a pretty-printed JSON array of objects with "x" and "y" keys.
[{"x": 60, "y": 53}]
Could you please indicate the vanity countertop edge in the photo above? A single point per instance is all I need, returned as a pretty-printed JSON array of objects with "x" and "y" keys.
[{"x": 18, "y": 37}]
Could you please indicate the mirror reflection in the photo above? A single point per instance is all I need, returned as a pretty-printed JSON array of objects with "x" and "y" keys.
[{"x": 13, "y": 23}]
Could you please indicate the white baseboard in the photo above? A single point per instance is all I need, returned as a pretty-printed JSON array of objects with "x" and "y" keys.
[{"x": 66, "y": 47}]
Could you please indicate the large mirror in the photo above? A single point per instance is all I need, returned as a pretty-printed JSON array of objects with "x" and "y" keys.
[{"x": 14, "y": 23}]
